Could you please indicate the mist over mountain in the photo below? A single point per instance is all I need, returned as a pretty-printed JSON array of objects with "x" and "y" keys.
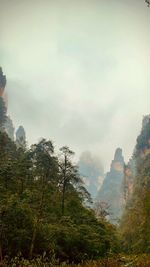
[
  {"x": 74, "y": 158},
  {"x": 92, "y": 171},
  {"x": 79, "y": 70}
]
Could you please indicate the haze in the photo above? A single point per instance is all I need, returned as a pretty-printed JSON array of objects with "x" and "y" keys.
[{"x": 78, "y": 71}]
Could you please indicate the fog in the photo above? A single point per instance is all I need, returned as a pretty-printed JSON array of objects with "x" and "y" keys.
[{"x": 77, "y": 71}]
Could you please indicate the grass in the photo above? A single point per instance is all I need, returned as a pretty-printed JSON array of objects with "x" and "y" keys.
[{"x": 119, "y": 261}]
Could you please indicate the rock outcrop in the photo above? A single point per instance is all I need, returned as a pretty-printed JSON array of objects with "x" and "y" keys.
[
  {"x": 111, "y": 191},
  {"x": 142, "y": 149},
  {"x": 2, "y": 82},
  {"x": 8, "y": 124},
  {"x": 20, "y": 137},
  {"x": 9, "y": 128}
]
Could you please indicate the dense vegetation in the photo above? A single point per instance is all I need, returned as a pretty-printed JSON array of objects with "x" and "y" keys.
[
  {"x": 135, "y": 223},
  {"x": 45, "y": 210},
  {"x": 43, "y": 206}
]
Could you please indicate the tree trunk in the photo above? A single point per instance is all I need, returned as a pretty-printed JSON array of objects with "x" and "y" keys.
[
  {"x": 36, "y": 223},
  {"x": 1, "y": 255},
  {"x": 63, "y": 200},
  {"x": 1, "y": 247},
  {"x": 64, "y": 186},
  {"x": 33, "y": 240}
]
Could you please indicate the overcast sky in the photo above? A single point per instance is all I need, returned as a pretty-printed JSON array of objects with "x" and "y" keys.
[{"x": 78, "y": 71}]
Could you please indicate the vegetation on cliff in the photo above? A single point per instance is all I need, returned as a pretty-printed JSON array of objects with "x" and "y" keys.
[
  {"x": 44, "y": 215},
  {"x": 134, "y": 227}
]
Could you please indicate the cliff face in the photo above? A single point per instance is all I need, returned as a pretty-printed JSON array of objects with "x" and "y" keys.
[
  {"x": 111, "y": 191},
  {"x": 129, "y": 174},
  {"x": 9, "y": 128},
  {"x": 142, "y": 149},
  {"x": 2, "y": 82},
  {"x": 20, "y": 137},
  {"x": 8, "y": 124},
  {"x": 137, "y": 191}
]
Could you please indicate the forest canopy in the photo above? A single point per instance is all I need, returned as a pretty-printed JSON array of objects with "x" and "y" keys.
[{"x": 42, "y": 206}]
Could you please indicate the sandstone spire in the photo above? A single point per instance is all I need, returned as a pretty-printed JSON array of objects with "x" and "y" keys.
[
  {"x": 111, "y": 191},
  {"x": 2, "y": 82}
]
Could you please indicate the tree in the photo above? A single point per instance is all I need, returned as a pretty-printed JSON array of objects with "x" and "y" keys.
[
  {"x": 101, "y": 210},
  {"x": 44, "y": 172},
  {"x": 8, "y": 183},
  {"x": 36, "y": 189},
  {"x": 69, "y": 176},
  {"x": 136, "y": 216},
  {"x": 147, "y": 2}
]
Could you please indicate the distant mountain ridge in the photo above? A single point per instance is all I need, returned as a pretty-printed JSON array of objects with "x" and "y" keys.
[{"x": 118, "y": 185}]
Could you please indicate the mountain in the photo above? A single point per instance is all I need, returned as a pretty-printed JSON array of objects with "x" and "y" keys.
[
  {"x": 111, "y": 191},
  {"x": 8, "y": 124},
  {"x": 2, "y": 82},
  {"x": 141, "y": 150},
  {"x": 20, "y": 137},
  {"x": 136, "y": 217},
  {"x": 9, "y": 128}
]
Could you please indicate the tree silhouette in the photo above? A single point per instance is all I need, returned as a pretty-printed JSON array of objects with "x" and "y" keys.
[{"x": 147, "y": 2}]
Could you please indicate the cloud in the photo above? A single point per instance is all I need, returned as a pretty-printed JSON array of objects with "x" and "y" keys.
[{"x": 78, "y": 71}]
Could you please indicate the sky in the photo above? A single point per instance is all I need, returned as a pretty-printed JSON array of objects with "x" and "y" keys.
[{"x": 77, "y": 71}]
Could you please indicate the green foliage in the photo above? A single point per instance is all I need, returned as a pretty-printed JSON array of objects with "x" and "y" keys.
[
  {"x": 143, "y": 140},
  {"x": 119, "y": 261},
  {"x": 17, "y": 220},
  {"x": 33, "y": 185},
  {"x": 134, "y": 226},
  {"x": 135, "y": 223}
]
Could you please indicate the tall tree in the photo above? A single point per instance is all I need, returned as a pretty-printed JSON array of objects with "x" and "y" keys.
[
  {"x": 44, "y": 173},
  {"x": 69, "y": 175}
]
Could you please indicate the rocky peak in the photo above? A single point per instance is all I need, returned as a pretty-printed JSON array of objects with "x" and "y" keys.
[
  {"x": 20, "y": 137},
  {"x": 118, "y": 161},
  {"x": 145, "y": 121},
  {"x": 111, "y": 191},
  {"x": 142, "y": 149},
  {"x": 118, "y": 155},
  {"x": 9, "y": 128},
  {"x": 2, "y": 82}
]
